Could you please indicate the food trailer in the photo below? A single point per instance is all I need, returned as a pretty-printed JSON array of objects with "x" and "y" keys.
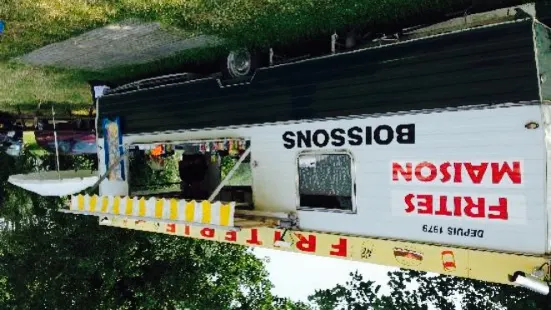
[{"x": 430, "y": 153}]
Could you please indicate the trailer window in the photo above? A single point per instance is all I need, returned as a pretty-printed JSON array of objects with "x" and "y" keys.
[{"x": 325, "y": 181}]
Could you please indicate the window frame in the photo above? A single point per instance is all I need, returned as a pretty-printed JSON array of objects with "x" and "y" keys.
[{"x": 352, "y": 176}]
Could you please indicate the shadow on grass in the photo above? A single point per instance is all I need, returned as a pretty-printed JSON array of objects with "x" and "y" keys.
[{"x": 61, "y": 110}]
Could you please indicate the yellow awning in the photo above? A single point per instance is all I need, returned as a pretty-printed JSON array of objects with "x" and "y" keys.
[{"x": 183, "y": 211}]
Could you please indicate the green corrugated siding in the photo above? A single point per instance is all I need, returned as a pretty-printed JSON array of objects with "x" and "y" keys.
[{"x": 488, "y": 65}]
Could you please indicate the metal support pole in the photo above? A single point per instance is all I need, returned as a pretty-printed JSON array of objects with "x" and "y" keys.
[
  {"x": 56, "y": 144},
  {"x": 111, "y": 168},
  {"x": 334, "y": 37},
  {"x": 230, "y": 174}
]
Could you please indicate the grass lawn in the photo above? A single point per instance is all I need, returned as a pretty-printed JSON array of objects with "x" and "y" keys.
[
  {"x": 29, "y": 142},
  {"x": 31, "y": 24},
  {"x": 27, "y": 87}
]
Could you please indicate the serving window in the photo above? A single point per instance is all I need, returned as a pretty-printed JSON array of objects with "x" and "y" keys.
[
  {"x": 326, "y": 181},
  {"x": 200, "y": 170}
]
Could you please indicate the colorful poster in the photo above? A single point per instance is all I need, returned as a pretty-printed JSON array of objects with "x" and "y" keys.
[{"x": 113, "y": 148}]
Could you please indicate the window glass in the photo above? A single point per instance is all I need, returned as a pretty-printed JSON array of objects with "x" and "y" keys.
[
  {"x": 325, "y": 181},
  {"x": 243, "y": 174}
]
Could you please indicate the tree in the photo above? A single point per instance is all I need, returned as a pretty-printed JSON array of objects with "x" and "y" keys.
[
  {"x": 52, "y": 260},
  {"x": 288, "y": 304},
  {"x": 440, "y": 292}
]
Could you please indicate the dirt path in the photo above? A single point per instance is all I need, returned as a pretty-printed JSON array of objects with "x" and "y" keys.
[{"x": 126, "y": 43}]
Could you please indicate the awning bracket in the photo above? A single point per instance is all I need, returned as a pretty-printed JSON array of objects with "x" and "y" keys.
[{"x": 230, "y": 174}]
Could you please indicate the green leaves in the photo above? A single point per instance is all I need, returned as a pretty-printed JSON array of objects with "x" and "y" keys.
[
  {"x": 413, "y": 290},
  {"x": 59, "y": 261},
  {"x": 355, "y": 294},
  {"x": 71, "y": 262}
]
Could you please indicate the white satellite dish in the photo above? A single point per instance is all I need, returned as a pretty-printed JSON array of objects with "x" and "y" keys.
[{"x": 55, "y": 183}]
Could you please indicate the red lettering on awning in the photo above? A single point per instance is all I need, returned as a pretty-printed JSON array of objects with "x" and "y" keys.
[
  {"x": 277, "y": 235},
  {"x": 231, "y": 236},
  {"x": 340, "y": 249},
  {"x": 207, "y": 232},
  {"x": 306, "y": 243},
  {"x": 254, "y": 238}
]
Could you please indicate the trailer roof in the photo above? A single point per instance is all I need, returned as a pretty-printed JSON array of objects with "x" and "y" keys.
[{"x": 486, "y": 65}]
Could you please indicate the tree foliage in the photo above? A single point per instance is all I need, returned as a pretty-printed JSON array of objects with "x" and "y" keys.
[
  {"x": 51, "y": 260},
  {"x": 412, "y": 290},
  {"x": 144, "y": 176}
]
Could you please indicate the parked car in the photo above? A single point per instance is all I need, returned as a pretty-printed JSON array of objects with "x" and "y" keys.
[
  {"x": 11, "y": 137},
  {"x": 69, "y": 141},
  {"x": 74, "y": 137},
  {"x": 11, "y": 145}
]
